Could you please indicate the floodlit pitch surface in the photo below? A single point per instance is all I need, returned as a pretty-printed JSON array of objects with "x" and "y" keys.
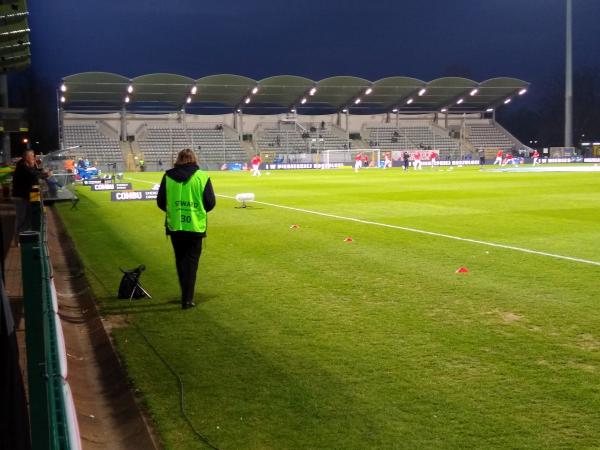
[{"x": 303, "y": 340}]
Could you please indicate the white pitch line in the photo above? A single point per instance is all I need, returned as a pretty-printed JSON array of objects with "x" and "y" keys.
[
  {"x": 413, "y": 230},
  {"x": 142, "y": 181},
  {"x": 429, "y": 233}
]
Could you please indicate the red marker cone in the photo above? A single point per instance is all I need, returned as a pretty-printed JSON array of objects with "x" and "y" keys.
[
  {"x": 348, "y": 239},
  {"x": 462, "y": 270}
]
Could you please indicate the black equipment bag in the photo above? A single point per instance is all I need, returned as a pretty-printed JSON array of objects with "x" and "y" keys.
[{"x": 130, "y": 284}]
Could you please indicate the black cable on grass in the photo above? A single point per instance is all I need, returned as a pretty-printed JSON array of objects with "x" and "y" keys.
[
  {"x": 180, "y": 383},
  {"x": 187, "y": 420}
]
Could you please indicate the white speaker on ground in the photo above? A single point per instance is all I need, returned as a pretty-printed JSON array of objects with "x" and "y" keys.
[{"x": 244, "y": 197}]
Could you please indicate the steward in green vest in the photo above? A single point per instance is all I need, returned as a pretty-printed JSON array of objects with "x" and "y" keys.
[
  {"x": 185, "y": 210},
  {"x": 186, "y": 195}
]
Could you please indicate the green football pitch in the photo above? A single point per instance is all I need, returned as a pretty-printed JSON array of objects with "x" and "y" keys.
[{"x": 304, "y": 340}]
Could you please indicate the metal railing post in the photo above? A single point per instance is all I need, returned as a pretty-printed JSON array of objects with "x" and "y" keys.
[{"x": 35, "y": 205}]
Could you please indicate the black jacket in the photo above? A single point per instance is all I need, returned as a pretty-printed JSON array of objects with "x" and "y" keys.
[
  {"x": 24, "y": 177},
  {"x": 180, "y": 174}
]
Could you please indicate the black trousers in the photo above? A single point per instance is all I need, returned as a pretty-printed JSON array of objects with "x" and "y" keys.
[{"x": 187, "y": 247}]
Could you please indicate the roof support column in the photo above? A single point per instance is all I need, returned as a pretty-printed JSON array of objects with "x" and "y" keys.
[
  {"x": 61, "y": 122},
  {"x": 347, "y": 128},
  {"x": 5, "y": 135},
  {"x": 123, "y": 124},
  {"x": 397, "y": 119},
  {"x": 446, "y": 120},
  {"x": 5, "y": 147}
]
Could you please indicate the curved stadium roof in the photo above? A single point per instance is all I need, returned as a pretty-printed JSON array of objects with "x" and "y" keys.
[{"x": 160, "y": 92}]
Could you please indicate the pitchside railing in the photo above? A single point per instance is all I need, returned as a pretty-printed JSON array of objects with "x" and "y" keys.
[{"x": 51, "y": 409}]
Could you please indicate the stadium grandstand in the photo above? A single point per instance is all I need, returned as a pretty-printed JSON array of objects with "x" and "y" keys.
[
  {"x": 111, "y": 119},
  {"x": 15, "y": 54}
]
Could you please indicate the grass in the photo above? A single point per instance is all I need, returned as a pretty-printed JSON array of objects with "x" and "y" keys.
[{"x": 304, "y": 341}]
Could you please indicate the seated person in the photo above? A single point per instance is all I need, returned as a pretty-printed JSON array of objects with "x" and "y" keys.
[{"x": 53, "y": 184}]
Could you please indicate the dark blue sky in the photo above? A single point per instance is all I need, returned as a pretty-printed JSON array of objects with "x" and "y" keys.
[{"x": 316, "y": 39}]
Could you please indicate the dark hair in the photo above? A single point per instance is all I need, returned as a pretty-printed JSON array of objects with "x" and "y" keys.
[{"x": 186, "y": 156}]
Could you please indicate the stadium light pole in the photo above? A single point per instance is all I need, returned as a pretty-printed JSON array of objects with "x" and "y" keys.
[
  {"x": 569, "y": 76},
  {"x": 58, "y": 121}
]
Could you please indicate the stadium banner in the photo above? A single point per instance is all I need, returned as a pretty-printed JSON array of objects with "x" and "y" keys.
[
  {"x": 232, "y": 166},
  {"x": 92, "y": 181},
  {"x": 303, "y": 166},
  {"x": 111, "y": 187},
  {"x": 128, "y": 196}
]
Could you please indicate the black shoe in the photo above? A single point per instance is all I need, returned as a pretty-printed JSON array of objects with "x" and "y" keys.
[{"x": 188, "y": 305}]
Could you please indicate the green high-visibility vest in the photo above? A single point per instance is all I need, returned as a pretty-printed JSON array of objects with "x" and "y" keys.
[{"x": 185, "y": 210}]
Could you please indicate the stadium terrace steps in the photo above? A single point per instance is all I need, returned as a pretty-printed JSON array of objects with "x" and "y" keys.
[
  {"x": 287, "y": 140},
  {"x": 93, "y": 145},
  {"x": 291, "y": 139},
  {"x": 478, "y": 135},
  {"x": 213, "y": 145},
  {"x": 218, "y": 143},
  {"x": 409, "y": 138},
  {"x": 488, "y": 136}
]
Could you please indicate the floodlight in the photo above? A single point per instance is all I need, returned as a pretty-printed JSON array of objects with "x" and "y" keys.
[
  {"x": 459, "y": 101},
  {"x": 312, "y": 91},
  {"x": 395, "y": 110},
  {"x": 444, "y": 109},
  {"x": 247, "y": 100},
  {"x": 130, "y": 88},
  {"x": 489, "y": 110},
  {"x": 344, "y": 110},
  {"x": 188, "y": 100},
  {"x": 194, "y": 90},
  {"x": 409, "y": 101},
  {"x": 63, "y": 99},
  {"x": 254, "y": 89},
  {"x": 239, "y": 110},
  {"x": 522, "y": 91},
  {"x": 368, "y": 91},
  {"x": 244, "y": 197},
  {"x": 357, "y": 101},
  {"x": 303, "y": 101},
  {"x": 63, "y": 87},
  {"x": 474, "y": 92},
  {"x": 127, "y": 99},
  {"x": 422, "y": 92},
  {"x": 507, "y": 101},
  {"x": 293, "y": 111}
]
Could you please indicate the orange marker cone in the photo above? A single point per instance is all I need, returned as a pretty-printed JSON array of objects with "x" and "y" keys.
[
  {"x": 348, "y": 239},
  {"x": 462, "y": 270},
  {"x": 294, "y": 226}
]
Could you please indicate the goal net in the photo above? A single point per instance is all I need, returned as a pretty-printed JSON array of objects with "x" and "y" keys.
[{"x": 346, "y": 156}]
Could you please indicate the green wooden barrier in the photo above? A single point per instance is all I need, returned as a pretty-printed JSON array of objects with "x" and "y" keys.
[{"x": 49, "y": 424}]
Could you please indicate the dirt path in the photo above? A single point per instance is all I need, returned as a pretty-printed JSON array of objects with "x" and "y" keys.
[{"x": 108, "y": 415}]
